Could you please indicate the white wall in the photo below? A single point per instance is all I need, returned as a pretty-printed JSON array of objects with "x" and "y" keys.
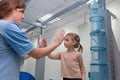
[{"x": 114, "y": 8}]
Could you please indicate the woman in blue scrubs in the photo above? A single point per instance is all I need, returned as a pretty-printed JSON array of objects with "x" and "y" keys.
[{"x": 14, "y": 44}]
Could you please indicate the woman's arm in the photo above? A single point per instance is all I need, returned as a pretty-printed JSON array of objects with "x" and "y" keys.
[{"x": 41, "y": 52}]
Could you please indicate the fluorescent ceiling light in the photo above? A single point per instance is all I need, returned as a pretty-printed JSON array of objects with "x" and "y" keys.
[
  {"x": 91, "y": 1},
  {"x": 54, "y": 20},
  {"x": 47, "y": 16}
]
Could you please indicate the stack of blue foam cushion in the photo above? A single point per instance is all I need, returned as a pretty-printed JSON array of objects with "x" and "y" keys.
[{"x": 26, "y": 76}]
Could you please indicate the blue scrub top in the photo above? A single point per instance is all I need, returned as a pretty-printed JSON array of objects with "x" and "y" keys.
[{"x": 14, "y": 45}]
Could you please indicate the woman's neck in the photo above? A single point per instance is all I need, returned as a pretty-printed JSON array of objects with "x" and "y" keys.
[{"x": 7, "y": 18}]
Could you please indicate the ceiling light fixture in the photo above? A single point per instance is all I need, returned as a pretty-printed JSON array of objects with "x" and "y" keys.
[
  {"x": 47, "y": 16},
  {"x": 91, "y": 1},
  {"x": 54, "y": 20}
]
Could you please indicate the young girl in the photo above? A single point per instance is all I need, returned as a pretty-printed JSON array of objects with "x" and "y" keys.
[{"x": 71, "y": 60}]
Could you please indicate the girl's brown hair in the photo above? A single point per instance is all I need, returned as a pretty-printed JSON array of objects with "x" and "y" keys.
[
  {"x": 7, "y": 6},
  {"x": 77, "y": 39}
]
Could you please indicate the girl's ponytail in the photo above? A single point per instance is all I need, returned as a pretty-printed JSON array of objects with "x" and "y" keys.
[{"x": 80, "y": 48}]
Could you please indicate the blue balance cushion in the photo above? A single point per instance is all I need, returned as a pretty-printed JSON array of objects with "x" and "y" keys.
[{"x": 26, "y": 76}]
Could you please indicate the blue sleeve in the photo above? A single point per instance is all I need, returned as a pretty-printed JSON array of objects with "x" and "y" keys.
[{"x": 17, "y": 39}]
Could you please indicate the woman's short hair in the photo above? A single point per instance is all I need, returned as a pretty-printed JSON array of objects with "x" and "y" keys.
[{"x": 7, "y": 6}]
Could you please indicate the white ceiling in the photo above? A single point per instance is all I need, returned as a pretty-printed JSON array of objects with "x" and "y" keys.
[{"x": 38, "y": 8}]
